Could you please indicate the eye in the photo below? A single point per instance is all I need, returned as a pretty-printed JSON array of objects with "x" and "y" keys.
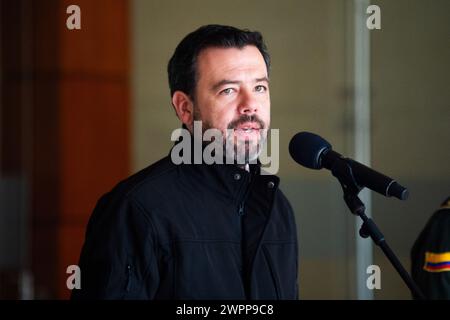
[
  {"x": 260, "y": 88},
  {"x": 227, "y": 91}
]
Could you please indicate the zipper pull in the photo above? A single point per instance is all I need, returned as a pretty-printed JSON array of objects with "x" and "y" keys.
[
  {"x": 129, "y": 278},
  {"x": 241, "y": 210}
]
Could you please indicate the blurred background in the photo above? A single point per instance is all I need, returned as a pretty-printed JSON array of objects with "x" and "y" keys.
[{"x": 82, "y": 109}]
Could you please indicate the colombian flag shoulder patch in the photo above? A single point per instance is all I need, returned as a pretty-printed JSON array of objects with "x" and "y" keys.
[{"x": 437, "y": 262}]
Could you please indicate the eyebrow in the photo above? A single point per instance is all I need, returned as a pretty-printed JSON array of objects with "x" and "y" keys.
[{"x": 226, "y": 81}]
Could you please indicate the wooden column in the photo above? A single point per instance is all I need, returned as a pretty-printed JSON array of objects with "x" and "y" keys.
[{"x": 81, "y": 127}]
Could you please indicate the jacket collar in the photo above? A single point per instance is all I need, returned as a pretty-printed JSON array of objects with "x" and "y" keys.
[{"x": 229, "y": 179}]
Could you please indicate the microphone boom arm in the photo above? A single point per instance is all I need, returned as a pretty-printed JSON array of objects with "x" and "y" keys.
[{"x": 342, "y": 170}]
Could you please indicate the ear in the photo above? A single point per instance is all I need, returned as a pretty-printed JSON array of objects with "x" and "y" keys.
[{"x": 184, "y": 107}]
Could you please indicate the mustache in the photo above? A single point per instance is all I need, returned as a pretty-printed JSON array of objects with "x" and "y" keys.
[{"x": 246, "y": 118}]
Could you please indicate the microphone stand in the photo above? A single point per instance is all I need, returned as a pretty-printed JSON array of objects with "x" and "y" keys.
[{"x": 343, "y": 172}]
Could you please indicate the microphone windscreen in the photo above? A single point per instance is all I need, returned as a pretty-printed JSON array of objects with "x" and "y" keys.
[{"x": 306, "y": 148}]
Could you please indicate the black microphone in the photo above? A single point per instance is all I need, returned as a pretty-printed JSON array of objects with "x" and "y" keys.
[{"x": 314, "y": 152}]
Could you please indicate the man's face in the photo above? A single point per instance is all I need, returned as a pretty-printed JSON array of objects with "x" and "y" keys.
[{"x": 232, "y": 92}]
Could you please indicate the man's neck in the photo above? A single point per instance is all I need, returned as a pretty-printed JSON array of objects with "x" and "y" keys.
[{"x": 245, "y": 167}]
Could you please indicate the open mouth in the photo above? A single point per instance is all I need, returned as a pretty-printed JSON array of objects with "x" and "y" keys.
[{"x": 248, "y": 127}]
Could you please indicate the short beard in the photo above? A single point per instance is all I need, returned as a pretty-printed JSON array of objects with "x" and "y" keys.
[{"x": 240, "y": 151}]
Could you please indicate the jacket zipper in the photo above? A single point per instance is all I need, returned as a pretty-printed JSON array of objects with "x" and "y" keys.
[
  {"x": 242, "y": 203},
  {"x": 129, "y": 273},
  {"x": 241, "y": 212}
]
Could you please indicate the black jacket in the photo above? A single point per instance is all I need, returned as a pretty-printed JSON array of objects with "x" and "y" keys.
[{"x": 191, "y": 232}]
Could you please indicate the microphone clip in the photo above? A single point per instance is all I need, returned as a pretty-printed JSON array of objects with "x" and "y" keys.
[{"x": 342, "y": 170}]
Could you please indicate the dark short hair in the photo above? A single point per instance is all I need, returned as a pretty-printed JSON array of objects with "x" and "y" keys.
[{"x": 182, "y": 68}]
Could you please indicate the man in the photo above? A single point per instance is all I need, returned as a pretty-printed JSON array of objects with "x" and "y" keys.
[
  {"x": 200, "y": 231},
  {"x": 430, "y": 255}
]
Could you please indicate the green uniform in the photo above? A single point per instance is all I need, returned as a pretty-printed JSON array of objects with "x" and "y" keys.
[{"x": 430, "y": 255}]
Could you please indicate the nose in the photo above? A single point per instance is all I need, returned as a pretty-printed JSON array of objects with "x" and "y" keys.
[{"x": 248, "y": 103}]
